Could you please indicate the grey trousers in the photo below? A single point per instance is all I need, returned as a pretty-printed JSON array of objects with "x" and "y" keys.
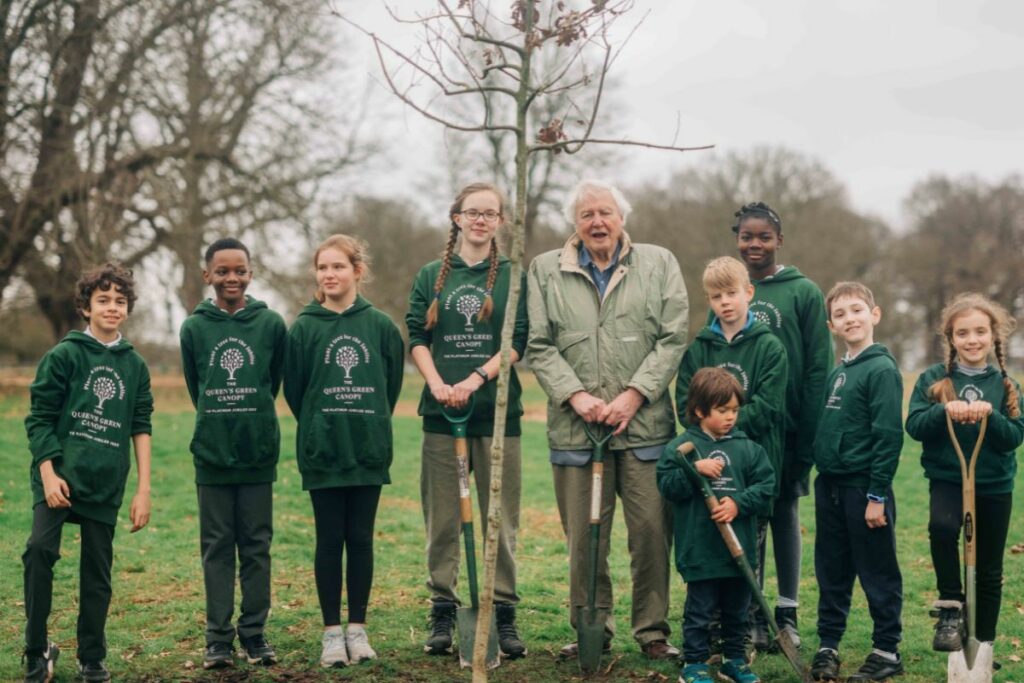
[
  {"x": 649, "y": 539},
  {"x": 439, "y": 493},
  {"x": 235, "y": 518}
]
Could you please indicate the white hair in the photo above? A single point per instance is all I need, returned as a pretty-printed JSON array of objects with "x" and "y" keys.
[{"x": 586, "y": 188}]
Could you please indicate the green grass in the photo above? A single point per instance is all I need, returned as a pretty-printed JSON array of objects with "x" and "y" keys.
[{"x": 155, "y": 629}]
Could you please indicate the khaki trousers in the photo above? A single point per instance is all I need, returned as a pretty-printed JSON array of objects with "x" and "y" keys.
[
  {"x": 648, "y": 532},
  {"x": 439, "y": 493}
]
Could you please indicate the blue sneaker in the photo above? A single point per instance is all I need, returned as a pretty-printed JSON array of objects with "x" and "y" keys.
[
  {"x": 695, "y": 673},
  {"x": 736, "y": 670}
]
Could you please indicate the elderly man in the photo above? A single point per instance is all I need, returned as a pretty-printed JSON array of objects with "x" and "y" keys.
[{"x": 608, "y": 325}]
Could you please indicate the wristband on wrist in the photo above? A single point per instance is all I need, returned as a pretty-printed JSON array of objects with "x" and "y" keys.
[
  {"x": 876, "y": 499},
  {"x": 483, "y": 373}
]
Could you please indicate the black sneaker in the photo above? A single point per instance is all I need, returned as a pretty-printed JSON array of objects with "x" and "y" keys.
[
  {"x": 785, "y": 617},
  {"x": 93, "y": 672},
  {"x": 39, "y": 668},
  {"x": 947, "y": 629},
  {"x": 876, "y": 668},
  {"x": 825, "y": 665},
  {"x": 509, "y": 642},
  {"x": 442, "y": 625},
  {"x": 257, "y": 650},
  {"x": 218, "y": 655}
]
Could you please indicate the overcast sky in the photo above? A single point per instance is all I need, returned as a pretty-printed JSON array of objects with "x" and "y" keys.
[{"x": 884, "y": 93}]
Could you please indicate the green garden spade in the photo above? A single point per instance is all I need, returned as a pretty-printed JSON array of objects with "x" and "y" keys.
[
  {"x": 590, "y": 620},
  {"x": 732, "y": 542},
  {"x": 466, "y": 617},
  {"x": 973, "y": 663}
]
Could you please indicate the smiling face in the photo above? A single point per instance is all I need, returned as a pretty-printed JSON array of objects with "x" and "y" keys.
[
  {"x": 731, "y": 302},
  {"x": 971, "y": 336},
  {"x": 108, "y": 309},
  {"x": 486, "y": 207},
  {"x": 599, "y": 223},
  {"x": 229, "y": 273},
  {"x": 722, "y": 418},
  {"x": 757, "y": 241},
  {"x": 336, "y": 277},
  {"x": 853, "y": 321}
]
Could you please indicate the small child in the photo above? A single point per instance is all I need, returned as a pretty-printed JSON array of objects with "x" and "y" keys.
[
  {"x": 90, "y": 398},
  {"x": 744, "y": 483},
  {"x": 232, "y": 353},
  {"x": 343, "y": 373},
  {"x": 967, "y": 387},
  {"x": 856, "y": 450}
]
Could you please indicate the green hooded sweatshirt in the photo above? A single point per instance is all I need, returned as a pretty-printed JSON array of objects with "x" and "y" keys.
[
  {"x": 997, "y": 460},
  {"x": 747, "y": 478},
  {"x": 88, "y": 401},
  {"x": 860, "y": 433},
  {"x": 232, "y": 366},
  {"x": 460, "y": 342},
  {"x": 758, "y": 360},
  {"x": 342, "y": 376}
]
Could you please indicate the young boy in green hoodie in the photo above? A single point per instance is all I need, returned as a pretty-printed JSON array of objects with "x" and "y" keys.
[
  {"x": 232, "y": 353},
  {"x": 856, "y": 450},
  {"x": 90, "y": 398},
  {"x": 744, "y": 482},
  {"x": 793, "y": 308}
]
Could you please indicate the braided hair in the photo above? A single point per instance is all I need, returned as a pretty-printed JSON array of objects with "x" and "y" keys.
[
  {"x": 757, "y": 210},
  {"x": 1002, "y": 324},
  {"x": 487, "y": 308}
]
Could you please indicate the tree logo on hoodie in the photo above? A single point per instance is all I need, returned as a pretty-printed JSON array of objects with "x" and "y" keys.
[
  {"x": 767, "y": 312},
  {"x": 737, "y": 370},
  {"x": 834, "y": 398},
  {"x": 723, "y": 483},
  {"x": 105, "y": 384},
  {"x": 347, "y": 358},
  {"x": 104, "y": 389},
  {"x": 231, "y": 354},
  {"x": 971, "y": 393},
  {"x": 232, "y": 361},
  {"x": 468, "y": 305}
]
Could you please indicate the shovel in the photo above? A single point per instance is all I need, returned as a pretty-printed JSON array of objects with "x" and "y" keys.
[
  {"x": 466, "y": 617},
  {"x": 591, "y": 620},
  {"x": 732, "y": 542},
  {"x": 973, "y": 663}
]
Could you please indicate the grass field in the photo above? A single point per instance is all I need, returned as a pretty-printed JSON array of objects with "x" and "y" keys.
[{"x": 155, "y": 630}]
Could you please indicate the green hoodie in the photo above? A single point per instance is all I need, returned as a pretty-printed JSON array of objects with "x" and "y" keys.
[
  {"x": 926, "y": 422},
  {"x": 860, "y": 433},
  {"x": 460, "y": 342},
  {"x": 232, "y": 366},
  {"x": 342, "y": 376},
  {"x": 747, "y": 478},
  {"x": 88, "y": 400},
  {"x": 758, "y": 360}
]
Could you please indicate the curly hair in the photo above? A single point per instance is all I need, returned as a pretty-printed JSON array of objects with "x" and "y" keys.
[
  {"x": 757, "y": 210},
  {"x": 110, "y": 274}
]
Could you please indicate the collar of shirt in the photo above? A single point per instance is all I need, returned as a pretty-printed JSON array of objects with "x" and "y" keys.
[
  {"x": 109, "y": 345},
  {"x": 716, "y": 325},
  {"x": 599, "y": 276}
]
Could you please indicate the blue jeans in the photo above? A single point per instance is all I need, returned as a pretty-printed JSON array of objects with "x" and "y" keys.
[{"x": 731, "y": 596}]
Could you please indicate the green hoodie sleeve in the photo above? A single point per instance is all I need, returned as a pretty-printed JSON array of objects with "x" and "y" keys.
[
  {"x": 655, "y": 372},
  {"x": 280, "y": 333},
  {"x": 758, "y": 494},
  {"x": 926, "y": 419},
  {"x": 48, "y": 392},
  {"x": 141, "y": 418},
  {"x": 817, "y": 348},
  {"x": 1006, "y": 433},
  {"x": 688, "y": 366},
  {"x": 673, "y": 483},
  {"x": 420, "y": 298},
  {"x": 296, "y": 372},
  {"x": 188, "y": 363},
  {"x": 552, "y": 371},
  {"x": 764, "y": 404},
  {"x": 886, "y": 428},
  {"x": 522, "y": 329},
  {"x": 394, "y": 359}
]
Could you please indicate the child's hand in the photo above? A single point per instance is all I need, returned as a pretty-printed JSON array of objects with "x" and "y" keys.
[
  {"x": 709, "y": 467},
  {"x": 874, "y": 515},
  {"x": 55, "y": 489},
  {"x": 726, "y": 511},
  {"x": 442, "y": 393},
  {"x": 957, "y": 410},
  {"x": 464, "y": 389},
  {"x": 139, "y": 512},
  {"x": 977, "y": 410}
]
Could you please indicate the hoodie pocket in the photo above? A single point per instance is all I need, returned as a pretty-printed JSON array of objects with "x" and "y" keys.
[
  {"x": 94, "y": 475},
  {"x": 233, "y": 443}
]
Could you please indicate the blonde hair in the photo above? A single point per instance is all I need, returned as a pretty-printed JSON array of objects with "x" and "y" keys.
[
  {"x": 430, "y": 320},
  {"x": 724, "y": 272},
  {"x": 1002, "y": 324},
  {"x": 853, "y": 290},
  {"x": 358, "y": 253}
]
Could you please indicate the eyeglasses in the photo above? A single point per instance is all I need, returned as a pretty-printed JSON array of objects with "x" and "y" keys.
[{"x": 473, "y": 214}]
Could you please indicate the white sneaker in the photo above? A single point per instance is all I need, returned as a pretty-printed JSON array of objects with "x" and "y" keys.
[
  {"x": 358, "y": 644},
  {"x": 333, "y": 652}
]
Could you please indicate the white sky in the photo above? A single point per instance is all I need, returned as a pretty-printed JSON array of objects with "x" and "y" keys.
[{"x": 884, "y": 93}]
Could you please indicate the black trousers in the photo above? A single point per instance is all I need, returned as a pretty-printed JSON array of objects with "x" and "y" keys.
[
  {"x": 704, "y": 600},
  {"x": 235, "y": 518},
  {"x": 845, "y": 549},
  {"x": 992, "y": 523},
  {"x": 344, "y": 519},
  {"x": 41, "y": 553}
]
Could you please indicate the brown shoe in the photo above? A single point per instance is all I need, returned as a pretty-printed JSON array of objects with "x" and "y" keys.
[
  {"x": 572, "y": 650},
  {"x": 660, "y": 649}
]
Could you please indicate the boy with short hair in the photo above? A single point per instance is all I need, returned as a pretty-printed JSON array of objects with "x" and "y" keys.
[
  {"x": 232, "y": 351},
  {"x": 856, "y": 451},
  {"x": 744, "y": 482},
  {"x": 90, "y": 398}
]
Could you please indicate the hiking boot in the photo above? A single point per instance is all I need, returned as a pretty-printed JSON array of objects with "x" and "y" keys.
[
  {"x": 93, "y": 672},
  {"x": 39, "y": 668},
  {"x": 948, "y": 636},
  {"x": 785, "y": 617},
  {"x": 358, "y": 644},
  {"x": 736, "y": 670},
  {"x": 572, "y": 650},
  {"x": 657, "y": 650},
  {"x": 218, "y": 655},
  {"x": 333, "y": 652},
  {"x": 695, "y": 673},
  {"x": 256, "y": 650},
  {"x": 877, "y": 668},
  {"x": 825, "y": 665},
  {"x": 442, "y": 624},
  {"x": 509, "y": 642}
]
